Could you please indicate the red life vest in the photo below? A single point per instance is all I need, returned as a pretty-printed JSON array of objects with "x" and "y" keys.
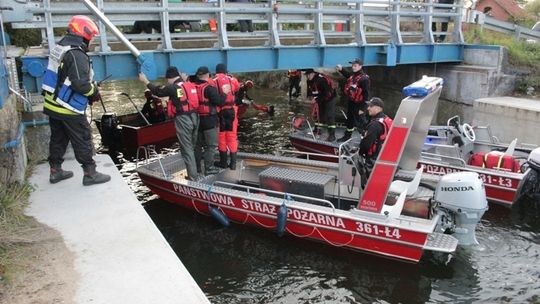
[
  {"x": 294, "y": 73},
  {"x": 222, "y": 80},
  {"x": 353, "y": 91},
  {"x": 387, "y": 124},
  {"x": 189, "y": 100},
  {"x": 158, "y": 109},
  {"x": 205, "y": 108}
]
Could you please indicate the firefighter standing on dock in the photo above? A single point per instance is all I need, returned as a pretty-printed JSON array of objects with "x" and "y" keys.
[
  {"x": 228, "y": 117},
  {"x": 68, "y": 89},
  {"x": 357, "y": 91}
]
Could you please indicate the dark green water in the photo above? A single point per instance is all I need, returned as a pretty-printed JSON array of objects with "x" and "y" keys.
[{"x": 247, "y": 265}]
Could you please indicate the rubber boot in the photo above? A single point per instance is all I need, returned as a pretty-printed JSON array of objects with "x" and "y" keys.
[
  {"x": 345, "y": 137},
  {"x": 92, "y": 177},
  {"x": 331, "y": 134},
  {"x": 57, "y": 174},
  {"x": 222, "y": 163},
  {"x": 232, "y": 164}
]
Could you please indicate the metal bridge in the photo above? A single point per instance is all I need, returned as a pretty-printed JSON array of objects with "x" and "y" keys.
[{"x": 288, "y": 34}]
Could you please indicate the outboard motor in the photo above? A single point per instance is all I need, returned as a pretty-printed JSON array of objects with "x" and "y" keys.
[
  {"x": 109, "y": 129},
  {"x": 530, "y": 184},
  {"x": 462, "y": 200}
]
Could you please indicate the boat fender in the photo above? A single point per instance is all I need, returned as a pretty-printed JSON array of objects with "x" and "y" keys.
[
  {"x": 219, "y": 216},
  {"x": 281, "y": 219}
]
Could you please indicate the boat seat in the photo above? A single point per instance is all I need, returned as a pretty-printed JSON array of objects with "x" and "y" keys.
[
  {"x": 399, "y": 186},
  {"x": 394, "y": 211},
  {"x": 511, "y": 147}
]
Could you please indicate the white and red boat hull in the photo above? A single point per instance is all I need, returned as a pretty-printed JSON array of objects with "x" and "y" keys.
[{"x": 334, "y": 229}]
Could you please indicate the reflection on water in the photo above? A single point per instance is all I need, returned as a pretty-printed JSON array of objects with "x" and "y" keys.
[{"x": 246, "y": 265}]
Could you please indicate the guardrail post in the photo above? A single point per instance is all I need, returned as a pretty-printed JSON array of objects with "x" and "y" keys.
[
  {"x": 394, "y": 23},
  {"x": 319, "y": 32},
  {"x": 104, "y": 45},
  {"x": 360, "y": 35},
  {"x": 222, "y": 26},
  {"x": 428, "y": 21},
  {"x": 273, "y": 25},
  {"x": 48, "y": 22},
  {"x": 458, "y": 34},
  {"x": 165, "y": 29}
]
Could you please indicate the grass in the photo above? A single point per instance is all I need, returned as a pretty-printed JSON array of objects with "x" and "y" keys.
[
  {"x": 13, "y": 200},
  {"x": 521, "y": 54}
]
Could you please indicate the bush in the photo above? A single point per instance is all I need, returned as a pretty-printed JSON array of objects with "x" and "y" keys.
[{"x": 521, "y": 54}]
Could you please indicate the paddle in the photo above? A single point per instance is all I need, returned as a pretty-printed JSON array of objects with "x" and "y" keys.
[{"x": 142, "y": 115}]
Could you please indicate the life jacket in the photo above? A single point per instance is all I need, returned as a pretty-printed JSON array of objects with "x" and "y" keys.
[
  {"x": 188, "y": 99},
  {"x": 330, "y": 83},
  {"x": 294, "y": 73},
  {"x": 59, "y": 96},
  {"x": 387, "y": 124},
  {"x": 495, "y": 160},
  {"x": 222, "y": 80},
  {"x": 157, "y": 107},
  {"x": 205, "y": 108},
  {"x": 352, "y": 90}
]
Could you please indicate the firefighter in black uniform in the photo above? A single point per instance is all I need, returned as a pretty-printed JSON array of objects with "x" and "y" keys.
[
  {"x": 376, "y": 132},
  {"x": 357, "y": 91},
  {"x": 321, "y": 90},
  {"x": 68, "y": 89}
]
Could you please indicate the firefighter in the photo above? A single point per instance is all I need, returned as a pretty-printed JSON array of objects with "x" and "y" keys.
[
  {"x": 68, "y": 89},
  {"x": 357, "y": 91},
  {"x": 295, "y": 77},
  {"x": 183, "y": 104},
  {"x": 320, "y": 90},
  {"x": 376, "y": 132},
  {"x": 209, "y": 100},
  {"x": 153, "y": 108},
  {"x": 228, "y": 117}
]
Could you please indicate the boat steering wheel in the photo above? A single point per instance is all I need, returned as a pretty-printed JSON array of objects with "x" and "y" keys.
[{"x": 468, "y": 132}]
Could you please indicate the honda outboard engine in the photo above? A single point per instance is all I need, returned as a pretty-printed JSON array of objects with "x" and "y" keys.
[
  {"x": 530, "y": 184},
  {"x": 462, "y": 200}
]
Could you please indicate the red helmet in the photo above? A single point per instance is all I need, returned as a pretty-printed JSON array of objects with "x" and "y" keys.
[
  {"x": 249, "y": 84},
  {"x": 83, "y": 26}
]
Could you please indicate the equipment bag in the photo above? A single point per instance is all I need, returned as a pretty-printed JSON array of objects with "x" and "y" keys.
[{"x": 494, "y": 160}]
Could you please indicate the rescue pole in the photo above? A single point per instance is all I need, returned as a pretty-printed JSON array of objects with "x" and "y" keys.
[
  {"x": 140, "y": 113},
  {"x": 146, "y": 61}
]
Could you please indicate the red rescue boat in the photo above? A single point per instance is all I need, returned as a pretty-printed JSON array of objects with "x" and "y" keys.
[
  {"x": 324, "y": 201},
  {"x": 455, "y": 147}
]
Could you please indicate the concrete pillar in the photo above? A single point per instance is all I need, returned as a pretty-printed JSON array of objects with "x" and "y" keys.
[{"x": 509, "y": 118}]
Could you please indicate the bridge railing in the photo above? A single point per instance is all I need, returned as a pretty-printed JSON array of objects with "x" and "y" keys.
[{"x": 283, "y": 23}]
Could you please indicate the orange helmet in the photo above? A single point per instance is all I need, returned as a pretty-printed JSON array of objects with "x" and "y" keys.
[
  {"x": 83, "y": 26},
  {"x": 249, "y": 84}
]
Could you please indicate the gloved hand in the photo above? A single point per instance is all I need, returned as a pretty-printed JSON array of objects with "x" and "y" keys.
[{"x": 94, "y": 98}]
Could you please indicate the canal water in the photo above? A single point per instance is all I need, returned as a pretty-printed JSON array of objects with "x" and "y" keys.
[{"x": 247, "y": 265}]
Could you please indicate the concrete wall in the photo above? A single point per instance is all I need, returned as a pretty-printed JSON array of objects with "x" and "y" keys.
[
  {"x": 482, "y": 74},
  {"x": 12, "y": 161},
  {"x": 509, "y": 118}
]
